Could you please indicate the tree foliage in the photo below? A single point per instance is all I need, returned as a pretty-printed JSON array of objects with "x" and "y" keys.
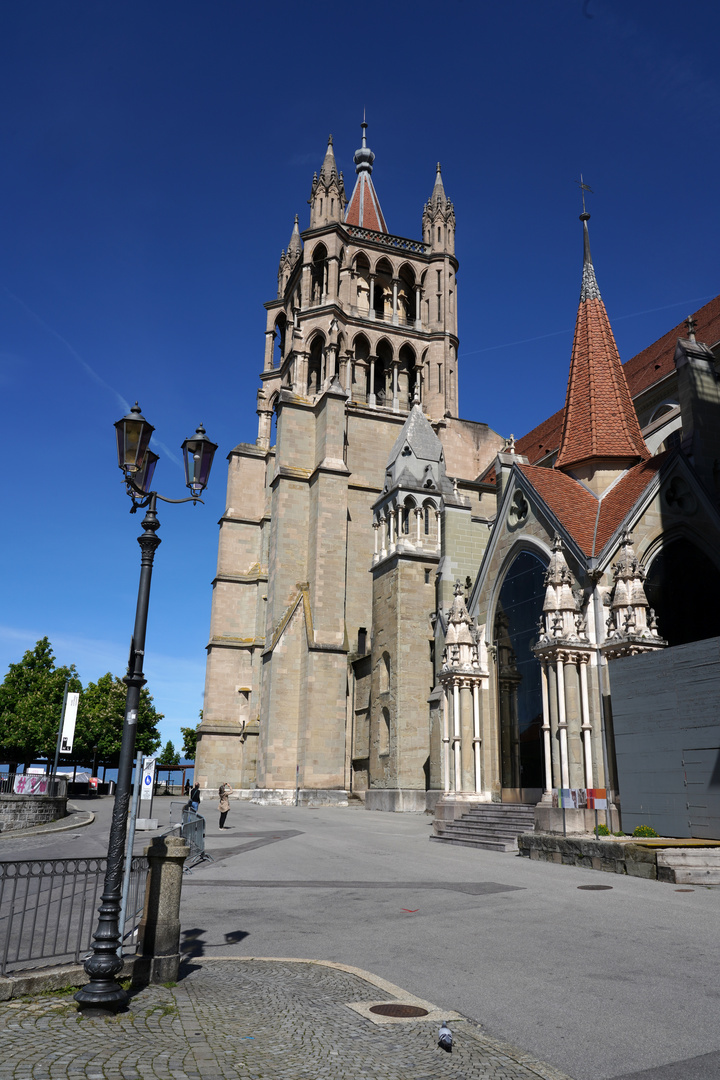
[
  {"x": 169, "y": 755},
  {"x": 189, "y": 746},
  {"x": 101, "y": 716},
  {"x": 31, "y": 698}
]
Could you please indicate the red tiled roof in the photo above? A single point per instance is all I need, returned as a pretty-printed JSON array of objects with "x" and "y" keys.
[
  {"x": 571, "y": 503},
  {"x": 364, "y": 206},
  {"x": 600, "y": 419},
  {"x": 619, "y": 501},
  {"x": 590, "y": 522},
  {"x": 657, "y": 360},
  {"x": 641, "y": 371}
]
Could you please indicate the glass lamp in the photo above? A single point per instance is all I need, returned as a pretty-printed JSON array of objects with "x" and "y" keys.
[
  {"x": 198, "y": 452},
  {"x": 133, "y": 436}
]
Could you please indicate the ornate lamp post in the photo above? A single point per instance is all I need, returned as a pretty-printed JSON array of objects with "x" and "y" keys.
[{"x": 137, "y": 462}]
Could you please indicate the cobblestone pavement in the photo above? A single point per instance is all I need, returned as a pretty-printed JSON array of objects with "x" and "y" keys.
[{"x": 249, "y": 1019}]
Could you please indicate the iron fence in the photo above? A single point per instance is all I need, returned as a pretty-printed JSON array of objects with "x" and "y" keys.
[
  {"x": 15, "y": 783},
  {"x": 48, "y": 910}
]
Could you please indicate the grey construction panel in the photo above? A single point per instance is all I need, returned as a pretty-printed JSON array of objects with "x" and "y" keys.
[{"x": 666, "y": 717}]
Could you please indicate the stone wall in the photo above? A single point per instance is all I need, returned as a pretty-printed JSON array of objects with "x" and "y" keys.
[{"x": 24, "y": 811}]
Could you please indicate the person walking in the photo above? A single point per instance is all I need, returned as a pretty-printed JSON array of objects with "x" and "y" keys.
[
  {"x": 225, "y": 792},
  {"x": 195, "y": 798}
]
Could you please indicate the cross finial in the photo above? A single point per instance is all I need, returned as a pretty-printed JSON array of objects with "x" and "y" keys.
[
  {"x": 691, "y": 327},
  {"x": 583, "y": 188}
]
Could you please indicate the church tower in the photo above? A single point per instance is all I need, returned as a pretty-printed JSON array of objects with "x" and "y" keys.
[{"x": 363, "y": 325}]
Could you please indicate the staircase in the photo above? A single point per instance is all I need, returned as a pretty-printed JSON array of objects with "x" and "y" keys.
[{"x": 491, "y": 826}]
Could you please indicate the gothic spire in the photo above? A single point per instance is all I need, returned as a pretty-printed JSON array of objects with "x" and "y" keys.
[
  {"x": 438, "y": 199},
  {"x": 364, "y": 206},
  {"x": 295, "y": 246},
  {"x": 329, "y": 166},
  {"x": 600, "y": 422}
]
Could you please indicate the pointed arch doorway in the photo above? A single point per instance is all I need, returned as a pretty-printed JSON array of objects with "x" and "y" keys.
[{"x": 519, "y": 690}]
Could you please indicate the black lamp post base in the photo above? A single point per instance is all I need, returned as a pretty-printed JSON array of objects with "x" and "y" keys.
[{"x": 101, "y": 997}]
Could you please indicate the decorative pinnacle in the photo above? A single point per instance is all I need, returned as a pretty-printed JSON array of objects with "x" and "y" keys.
[
  {"x": 691, "y": 327},
  {"x": 589, "y": 289},
  {"x": 363, "y": 157}
]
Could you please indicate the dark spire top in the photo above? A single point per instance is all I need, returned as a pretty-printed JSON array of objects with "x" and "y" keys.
[
  {"x": 589, "y": 289},
  {"x": 363, "y": 157}
]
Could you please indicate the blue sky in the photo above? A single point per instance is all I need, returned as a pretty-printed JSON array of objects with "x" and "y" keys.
[{"x": 154, "y": 155}]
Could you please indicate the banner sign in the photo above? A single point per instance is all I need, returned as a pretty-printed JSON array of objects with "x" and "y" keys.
[
  {"x": 68, "y": 731},
  {"x": 580, "y": 798},
  {"x": 29, "y": 784},
  {"x": 148, "y": 779}
]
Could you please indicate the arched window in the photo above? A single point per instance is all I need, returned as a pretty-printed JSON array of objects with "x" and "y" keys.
[
  {"x": 362, "y": 283},
  {"x": 382, "y": 299},
  {"x": 318, "y": 274},
  {"x": 426, "y": 518},
  {"x": 405, "y": 516},
  {"x": 384, "y": 733},
  {"x": 315, "y": 365},
  {"x": 385, "y": 673},
  {"x": 518, "y": 610},
  {"x": 683, "y": 588},
  {"x": 279, "y": 340}
]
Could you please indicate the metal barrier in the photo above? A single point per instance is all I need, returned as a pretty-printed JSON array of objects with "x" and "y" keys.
[
  {"x": 48, "y": 909},
  {"x": 191, "y": 826}
]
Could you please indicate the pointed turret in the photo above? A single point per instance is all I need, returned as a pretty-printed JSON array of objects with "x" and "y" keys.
[
  {"x": 601, "y": 434},
  {"x": 364, "y": 206},
  {"x": 438, "y": 220},
  {"x": 327, "y": 195},
  {"x": 631, "y": 625},
  {"x": 295, "y": 246},
  {"x": 289, "y": 258}
]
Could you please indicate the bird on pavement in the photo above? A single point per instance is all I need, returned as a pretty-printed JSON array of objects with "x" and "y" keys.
[{"x": 445, "y": 1039}]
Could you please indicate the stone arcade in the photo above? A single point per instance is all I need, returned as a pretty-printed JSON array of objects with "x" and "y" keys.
[{"x": 409, "y": 608}]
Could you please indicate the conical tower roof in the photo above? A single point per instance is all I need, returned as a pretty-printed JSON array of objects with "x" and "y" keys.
[
  {"x": 295, "y": 245},
  {"x": 600, "y": 419},
  {"x": 364, "y": 206}
]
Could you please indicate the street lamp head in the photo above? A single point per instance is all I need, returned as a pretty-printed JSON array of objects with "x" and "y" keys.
[
  {"x": 133, "y": 436},
  {"x": 198, "y": 452},
  {"x": 142, "y": 479}
]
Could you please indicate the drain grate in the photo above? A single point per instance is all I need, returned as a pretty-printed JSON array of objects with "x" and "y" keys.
[
  {"x": 594, "y": 888},
  {"x": 393, "y": 1008}
]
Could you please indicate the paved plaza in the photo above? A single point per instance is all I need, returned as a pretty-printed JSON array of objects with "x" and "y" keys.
[{"x": 612, "y": 983}]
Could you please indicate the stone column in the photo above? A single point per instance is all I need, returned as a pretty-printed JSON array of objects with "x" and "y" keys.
[
  {"x": 457, "y": 738},
  {"x": 371, "y": 384},
  {"x": 445, "y": 742},
  {"x": 418, "y": 302},
  {"x": 438, "y": 546},
  {"x": 391, "y": 525},
  {"x": 371, "y": 312},
  {"x": 395, "y": 399},
  {"x": 383, "y": 549},
  {"x": 332, "y": 366},
  {"x": 349, "y": 373},
  {"x": 159, "y": 931},
  {"x": 269, "y": 342},
  {"x": 305, "y": 287},
  {"x": 395, "y": 302},
  {"x": 468, "y": 735},
  {"x": 418, "y": 516},
  {"x": 476, "y": 735},
  {"x": 376, "y": 526},
  {"x": 546, "y": 728},
  {"x": 586, "y": 725},
  {"x": 562, "y": 722}
]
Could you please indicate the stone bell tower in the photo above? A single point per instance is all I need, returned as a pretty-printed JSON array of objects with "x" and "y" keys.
[{"x": 363, "y": 325}]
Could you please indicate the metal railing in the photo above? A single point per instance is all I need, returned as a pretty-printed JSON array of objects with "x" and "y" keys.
[
  {"x": 15, "y": 783},
  {"x": 400, "y": 242},
  {"x": 48, "y": 910},
  {"x": 191, "y": 826}
]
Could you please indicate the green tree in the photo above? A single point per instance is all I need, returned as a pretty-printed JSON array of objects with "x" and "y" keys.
[
  {"x": 102, "y": 713},
  {"x": 189, "y": 746},
  {"x": 31, "y": 698},
  {"x": 169, "y": 755}
]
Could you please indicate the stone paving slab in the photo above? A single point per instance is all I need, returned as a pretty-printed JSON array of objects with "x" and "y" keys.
[{"x": 251, "y": 1019}]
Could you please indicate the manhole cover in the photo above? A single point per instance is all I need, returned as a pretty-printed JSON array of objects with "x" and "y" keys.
[
  {"x": 594, "y": 888},
  {"x": 394, "y": 1009}
]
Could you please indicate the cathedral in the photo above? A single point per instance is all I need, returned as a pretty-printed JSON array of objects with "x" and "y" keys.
[{"x": 410, "y": 609}]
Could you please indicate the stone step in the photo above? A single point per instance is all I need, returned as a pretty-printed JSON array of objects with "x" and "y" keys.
[
  {"x": 497, "y": 829},
  {"x": 492, "y": 827},
  {"x": 485, "y": 844},
  {"x": 690, "y": 866}
]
